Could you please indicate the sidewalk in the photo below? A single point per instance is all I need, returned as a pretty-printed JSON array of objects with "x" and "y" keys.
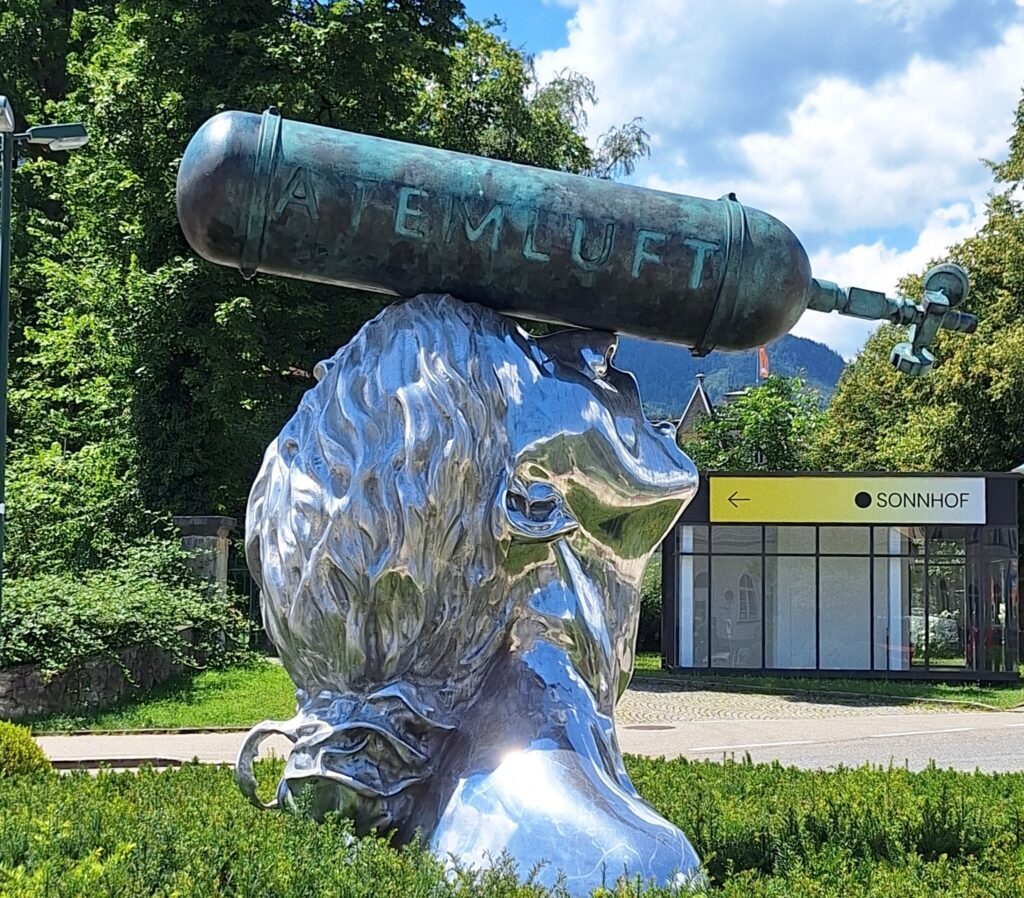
[{"x": 990, "y": 740}]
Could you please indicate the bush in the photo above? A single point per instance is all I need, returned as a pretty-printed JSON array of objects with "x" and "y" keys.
[
  {"x": 649, "y": 635},
  {"x": 19, "y": 753},
  {"x": 763, "y": 831},
  {"x": 70, "y": 511},
  {"x": 57, "y": 620}
]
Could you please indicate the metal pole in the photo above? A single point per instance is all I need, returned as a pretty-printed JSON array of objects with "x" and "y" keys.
[{"x": 7, "y": 151}]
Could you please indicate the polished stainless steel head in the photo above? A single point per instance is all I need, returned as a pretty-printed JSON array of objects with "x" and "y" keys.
[{"x": 450, "y": 535}]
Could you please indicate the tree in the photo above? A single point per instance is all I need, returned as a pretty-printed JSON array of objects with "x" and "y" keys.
[
  {"x": 771, "y": 427},
  {"x": 132, "y": 357},
  {"x": 969, "y": 413}
]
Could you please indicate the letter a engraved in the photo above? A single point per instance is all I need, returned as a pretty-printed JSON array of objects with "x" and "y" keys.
[
  {"x": 641, "y": 254},
  {"x": 591, "y": 264},
  {"x": 405, "y": 212},
  {"x": 298, "y": 192},
  {"x": 700, "y": 248}
]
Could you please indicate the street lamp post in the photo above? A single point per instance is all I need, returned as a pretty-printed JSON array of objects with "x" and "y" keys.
[{"x": 53, "y": 137}]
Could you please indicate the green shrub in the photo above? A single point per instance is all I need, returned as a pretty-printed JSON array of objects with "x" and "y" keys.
[
  {"x": 763, "y": 831},
  {"x": 70, "y": 511},
  {"x": 19, "y": 753},
  {"x": 57, "y": 620}
]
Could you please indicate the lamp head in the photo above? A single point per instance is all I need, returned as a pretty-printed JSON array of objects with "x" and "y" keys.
[
  {"x": 59, "y": 137},
  {"x": 6, "y": 116}
]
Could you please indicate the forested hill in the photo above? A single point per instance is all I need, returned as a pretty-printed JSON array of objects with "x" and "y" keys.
[{"x": 666, "y": 373}]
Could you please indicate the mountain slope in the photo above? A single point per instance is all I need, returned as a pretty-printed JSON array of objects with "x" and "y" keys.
[{"x": 666, "y": 373}]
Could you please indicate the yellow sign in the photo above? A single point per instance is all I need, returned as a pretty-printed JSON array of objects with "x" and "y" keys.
[{"x": 847, "y": 500}]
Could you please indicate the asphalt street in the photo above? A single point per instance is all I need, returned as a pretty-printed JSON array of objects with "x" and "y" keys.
[{"x": 987, "y": 741}]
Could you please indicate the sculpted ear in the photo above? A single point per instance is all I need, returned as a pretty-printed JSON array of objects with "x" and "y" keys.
[{"x": 537, "y": 512}]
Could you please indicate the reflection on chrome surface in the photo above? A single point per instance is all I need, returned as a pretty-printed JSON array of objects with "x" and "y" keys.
[{"x": 450, "y": 534}]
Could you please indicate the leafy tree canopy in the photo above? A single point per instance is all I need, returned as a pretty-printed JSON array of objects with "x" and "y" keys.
[
  {"x": 770, "y": 427},
  {"x": 969, "y": 414},
  {"x": 156, "y": 377}
]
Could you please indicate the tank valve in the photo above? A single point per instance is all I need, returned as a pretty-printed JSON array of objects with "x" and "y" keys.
[{"x": 945, "y": 287}]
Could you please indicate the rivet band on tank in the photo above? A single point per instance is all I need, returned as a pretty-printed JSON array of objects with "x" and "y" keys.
[
  {"x": 262, "y": 179},
  {"x": 728, "y": 290}
]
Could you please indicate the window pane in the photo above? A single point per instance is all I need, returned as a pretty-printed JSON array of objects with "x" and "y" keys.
[
  {"x": 789, "y": 540},
  {"x": 1001, "y": 542},
  {"x": 1012, "y": 616},
  {"x": 693, "y": 611},
  {"x": 736, "y": 611},
  {"x": 735, "y": 540},
  {"x": 892, "y": 613},
  {"x": 947, "y": 614},
  {"x": 789, "y": 612},
  {"x": 947, "y": 541},
  {"x": 845, "y": 613},
  {"x": 844, "y": 540},
  {"x": 998, "y": 588},
  {"x": 898, "y": 540},
  {"x": 915, "y": 587},
  {"x": 692, "y": 538}
]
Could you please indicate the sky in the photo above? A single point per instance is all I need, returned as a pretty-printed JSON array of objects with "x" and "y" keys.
[{"x": 862, "y": 124}]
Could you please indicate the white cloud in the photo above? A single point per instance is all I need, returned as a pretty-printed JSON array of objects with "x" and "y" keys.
[
  {"x": 841, "y": 119},
  {"x": 881, "y": 156}
]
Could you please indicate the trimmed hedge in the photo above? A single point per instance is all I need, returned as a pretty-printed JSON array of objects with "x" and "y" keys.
[
  {"x": 58, "y": 620},
  {"x": 764, "y": 832}
]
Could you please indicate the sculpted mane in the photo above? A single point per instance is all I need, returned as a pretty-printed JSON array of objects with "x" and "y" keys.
[{"x": 372, "y": 523}]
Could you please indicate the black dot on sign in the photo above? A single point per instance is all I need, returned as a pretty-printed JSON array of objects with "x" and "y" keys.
[{"x": 862, "y": 499}]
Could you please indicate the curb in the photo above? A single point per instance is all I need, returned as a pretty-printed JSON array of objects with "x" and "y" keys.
[
  {"x": 159, "y": 731},
  {"x": 69, "y": 764}
]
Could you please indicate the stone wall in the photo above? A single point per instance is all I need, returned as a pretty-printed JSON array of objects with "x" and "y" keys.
[{"x": 96, "y": 683}]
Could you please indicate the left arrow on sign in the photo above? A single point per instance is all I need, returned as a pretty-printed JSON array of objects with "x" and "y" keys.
[{"x": 735, "y": 499}]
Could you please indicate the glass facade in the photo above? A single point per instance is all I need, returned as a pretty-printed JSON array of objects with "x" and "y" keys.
[{"x": 847, "y": 598}]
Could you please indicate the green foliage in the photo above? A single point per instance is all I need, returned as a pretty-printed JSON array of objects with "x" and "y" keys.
[
  {"x": 57, "y": 620},
  {"x": 764, "y": 832},
  {"x": 160, "y": 376},
  {"x": 969, "y": 414},
  {"x": 492, "y": 105},
  {"x": 769, "y": 428},
  {"x": 19, "y": 753},
  {"x": 69, "y": 510}
]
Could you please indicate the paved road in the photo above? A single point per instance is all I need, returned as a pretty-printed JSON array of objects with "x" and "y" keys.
[
  {"x": 655, "y": 719},
  {"x": 964, "y": 740}
]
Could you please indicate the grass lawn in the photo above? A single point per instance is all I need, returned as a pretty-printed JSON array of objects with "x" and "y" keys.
[
  {"x": 242, "y": 696},
  {"x": 235, "y": 697},
  {"x": 1002, "y": 697}
]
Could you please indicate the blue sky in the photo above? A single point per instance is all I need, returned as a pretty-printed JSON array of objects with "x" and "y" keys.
[{"x": 860, "y": 123}]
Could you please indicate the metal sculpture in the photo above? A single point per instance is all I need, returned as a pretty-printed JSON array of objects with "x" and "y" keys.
[{"x": 451, "y": 532}]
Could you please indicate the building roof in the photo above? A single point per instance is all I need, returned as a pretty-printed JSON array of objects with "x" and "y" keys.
[{"x": 699, "y": 406}]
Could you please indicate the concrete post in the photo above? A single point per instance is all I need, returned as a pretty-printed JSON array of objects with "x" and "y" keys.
[{"x": 205, "y": 537}]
